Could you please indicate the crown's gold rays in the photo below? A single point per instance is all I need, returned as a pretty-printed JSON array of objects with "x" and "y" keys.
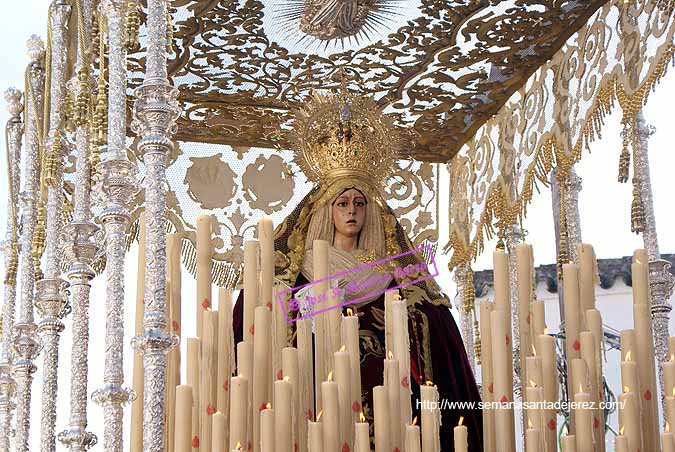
[{"x": 343, "y": 135}]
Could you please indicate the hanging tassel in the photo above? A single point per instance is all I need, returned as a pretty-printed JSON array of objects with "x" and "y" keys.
[
  {"x": 133, "y": 23},
  {"x": 624, "y": 158},
  {"x": 637, "y": 213},
  {"x": 169, "y": 31},
  {"x": 476, "y": 340},
  {"x": 563, "y": 256}
]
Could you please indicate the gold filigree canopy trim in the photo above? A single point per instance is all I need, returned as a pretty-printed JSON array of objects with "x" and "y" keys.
[
  {"x": 441, "y": 68},
  {"x": 342, "y": 135}
]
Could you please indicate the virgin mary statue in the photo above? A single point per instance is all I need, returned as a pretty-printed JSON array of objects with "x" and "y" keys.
[{"x": 348, "y": 148}]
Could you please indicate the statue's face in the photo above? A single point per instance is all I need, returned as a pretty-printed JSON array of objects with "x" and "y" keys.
[{"x": 349, "y": 212}]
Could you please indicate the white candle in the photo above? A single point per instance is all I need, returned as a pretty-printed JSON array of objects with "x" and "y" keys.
[
  {"x": 412, "y": 438},
  {"x": 183, "y": 438},
  {"x": 572, "y": 324},
  {"x": 218, "y": 441},
  {"x": 192, "y": 377},
  {"x": 225, "y": 350},
  {"x": 343, "y": 375},
  {"x": 282, "y": 416},
  {"x": 208, "y": 372},
  {"x": 289, "y": 362},
  {"x": 267, "y": 429},
  {"x": 461, "y": 437},
  {"x": 315, "y": 430},
  {"x": 245, "y": 369},
  {"x": 487, "y": 378},
  {"x": 238, "y": 411},
  {"x": 569, "y": 443},
  {"x": 362, "y": 435},
  {"x": 667, "y": 442},
  {"x": 382, "y": 419},
  {"x": 305, "y": 380},
  {"x": 261, "y": 371},
  {"x": 533, "y": 440},
  {"x": 350, "y": 337},
  {"x": 203, "y": 269},
  {"x": 331, "y": 418},
  {"x": 266, "y": 237},
  {"x": 524, "y": 284},
  {"x": 587, "y": 276},
  {"x": 430, "y": 418},
  {"x": 629, "y": 418},
  {"x": 549, "y": 366},
  {"x": 250, "y": 286},
  {"x": 323, "y": 351},
  {"x": 393, "y": 385},
  {"x": 584, "y": 426},
  {"x": 620, "y": 444},
  {"x": 503, "y": 391}
]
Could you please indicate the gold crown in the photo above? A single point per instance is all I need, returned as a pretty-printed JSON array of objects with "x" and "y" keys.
[{"x": 344, "y": 135}]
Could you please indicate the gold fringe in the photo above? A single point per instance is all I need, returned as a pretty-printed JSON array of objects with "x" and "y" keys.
[
  {"x": 547, "y": 154},
  {"x": 637, "y": 213}
]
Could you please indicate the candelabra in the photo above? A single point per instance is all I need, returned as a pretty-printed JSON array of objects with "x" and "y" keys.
[
  {"x": 26, "y": 344},
  {"x": 11, "y": 249},
  {"x": 118, "y": 184},
  {"x": 155, "y": 113},
  {"x": 51, "y": 295},
  {"x": 660, "y": 280},
  {"x": 80, "y": 250}
]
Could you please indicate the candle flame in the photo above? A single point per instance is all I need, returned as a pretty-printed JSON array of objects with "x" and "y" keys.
[
  {"x": 238, "y": 446},
  {"x": 533, "y": 383},
  {"x": 343, "y": 348},
  {"x": 581, "y": 388},
  {"x": 529, "y": 423},
  {"x": 390, "y": 355},
  {"x": 673, "y": 391},
  {"x": 330, "y": 376},
  {"x": 318, "y": 416},
  {"x": 287, "y": 378},
  {"x": 545, "y": 330},
  {"x": 414, "y": 421},
  {"x": 362, "y": 418},
  {"x": 429, "y": 383},
  {"x": 621, "y": 430},
  {"x": 565, "y": 430},
  {"x": 672, "y": 357},
  {"x": 461, "y": 421},
  {"x": 350, "y": 311},
  {"x": 628, "y": 355},
  {"x": 626, "y": 388},
  {"x": 534, "y": 350},
  {"x": 667, "y": 427},
  {"x": 268, "y": 406}
]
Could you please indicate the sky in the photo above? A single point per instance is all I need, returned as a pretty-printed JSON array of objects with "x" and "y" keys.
[{"x": 604, "y": 207}]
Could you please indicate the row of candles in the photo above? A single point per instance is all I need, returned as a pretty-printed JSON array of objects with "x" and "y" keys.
[
  {"x": 277, "y": 397},
  {"x": 280, "y": 389},
  {"x": 638, "y": 409}
]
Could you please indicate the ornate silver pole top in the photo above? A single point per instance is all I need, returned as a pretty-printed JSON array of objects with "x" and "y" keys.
[
  {"x": 36, "y": 49},
  {"x": 13, "y": 98}
]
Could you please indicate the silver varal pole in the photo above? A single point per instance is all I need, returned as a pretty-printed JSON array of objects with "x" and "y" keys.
[
  {"x": 155, "y": 114},
  {"x": 11, "y": 250},
  {"x": 51, "y": 294},
  {"x": 118, "y": 175},
  {"x": 660, "y": 279},
  {"x": 573, "y": 187},
  {"x": 465, "y": 315},
  {"x": 26, "y": 343},
  {"x": 80, "y": 250}
]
